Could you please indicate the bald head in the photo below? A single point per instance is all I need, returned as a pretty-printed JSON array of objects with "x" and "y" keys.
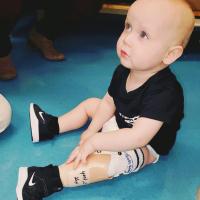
[
  {"x": 184, "y": 21},
  {"x": 174, "y": 18}
]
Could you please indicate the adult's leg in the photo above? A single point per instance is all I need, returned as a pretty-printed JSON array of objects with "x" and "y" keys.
[
  {"x": 52, "y": 22},
  {"x": 7, "y": 68},
  {"x": 5, "y": 30},
  {"x": 8, "y": 17},
  {"x": 59, "y": 16},
  {"x": 47, "y": 28}
]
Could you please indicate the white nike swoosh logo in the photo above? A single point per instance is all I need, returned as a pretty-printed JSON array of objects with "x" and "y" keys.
[
  {"x": 30, "y": 183},
  {"x": 41, "y": 115}
]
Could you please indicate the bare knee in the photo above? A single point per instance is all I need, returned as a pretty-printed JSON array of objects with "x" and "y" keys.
[{"x": 90, "y": 106}]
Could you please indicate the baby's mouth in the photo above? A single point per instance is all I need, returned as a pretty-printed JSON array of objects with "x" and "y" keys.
[{"x": 123, "y": 53}]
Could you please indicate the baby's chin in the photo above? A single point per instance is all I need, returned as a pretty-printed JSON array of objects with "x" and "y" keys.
[
  {"x": 128, "y": 66},
  {"x": 124, "y": 61}
]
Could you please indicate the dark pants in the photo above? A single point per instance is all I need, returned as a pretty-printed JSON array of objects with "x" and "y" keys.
[
  {"x": 55, "y": 17},
  {"x": 9, "y": 12},
  {"x": 54, "y": 13},
  {"x": 5, "y": 43},
  {"x": 49, "y": 26}
]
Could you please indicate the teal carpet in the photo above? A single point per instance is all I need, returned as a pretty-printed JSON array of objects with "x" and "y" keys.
[{"x": 59, "y": 86}]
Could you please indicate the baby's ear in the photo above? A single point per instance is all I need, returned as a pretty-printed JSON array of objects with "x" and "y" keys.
[{"x": 173, "y": 54}]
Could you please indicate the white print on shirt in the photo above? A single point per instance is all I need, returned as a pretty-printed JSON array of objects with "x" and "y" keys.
[{"x": 129, "y": 120}]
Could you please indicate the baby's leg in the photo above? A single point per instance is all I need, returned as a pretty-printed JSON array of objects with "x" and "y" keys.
[
  {"x": 39, "y": 182},
  {"x": 103, "y": 166},
  {"x": 78, "y": 116},
  {"x": 45, "y": 126},
  {"x": 95, "y": 170}
]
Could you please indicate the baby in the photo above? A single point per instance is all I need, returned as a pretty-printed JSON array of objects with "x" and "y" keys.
[{"x": 137, "y": 119}]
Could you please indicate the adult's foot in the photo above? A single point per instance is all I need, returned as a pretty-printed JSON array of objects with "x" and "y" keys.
[
  {"x": 46, "y": 46},
  {"x": 7, "y": 68}
]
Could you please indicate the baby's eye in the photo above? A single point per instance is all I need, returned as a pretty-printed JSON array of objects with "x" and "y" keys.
[
  {"x": 128, "y": 27},
  {"x": 143, "y": 34}
]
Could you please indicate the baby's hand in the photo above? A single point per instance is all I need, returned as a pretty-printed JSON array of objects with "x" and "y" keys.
[
  {"x": 85, "y": 135},
  {"x": 80, "y": 153}
]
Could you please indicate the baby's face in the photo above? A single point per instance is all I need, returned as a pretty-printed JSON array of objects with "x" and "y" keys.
[{"x": 147, "y": 35}]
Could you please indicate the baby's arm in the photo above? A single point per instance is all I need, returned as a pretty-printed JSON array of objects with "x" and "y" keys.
[
  {"x": 104, "y": 111},
  {"x": 124, "y": 139}
]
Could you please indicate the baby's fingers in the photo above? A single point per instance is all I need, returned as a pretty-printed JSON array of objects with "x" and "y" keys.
[
  {"x": 84, "y": 158},
  {"x": 77, "y": 160},
  {"x": 73, "y": 155}
]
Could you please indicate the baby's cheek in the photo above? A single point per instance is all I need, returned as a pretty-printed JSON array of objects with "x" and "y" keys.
[
  {"x": 118, "y": 45},
  {"x": 118, "y": 49}
]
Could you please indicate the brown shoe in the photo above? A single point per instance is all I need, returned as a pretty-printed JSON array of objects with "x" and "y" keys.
[
  {"x": 7, "y": 68},
  {"x": 45, "y": 45}
]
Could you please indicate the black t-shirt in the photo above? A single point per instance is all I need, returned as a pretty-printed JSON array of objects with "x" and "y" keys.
[{"x": 159, "y": 98}]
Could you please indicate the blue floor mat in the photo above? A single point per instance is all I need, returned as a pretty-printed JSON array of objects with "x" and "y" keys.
[{"x": 59, "y": 86}]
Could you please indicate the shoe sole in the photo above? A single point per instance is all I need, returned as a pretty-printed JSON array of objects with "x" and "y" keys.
[
  {"x": 34, "y": 124},
  {"x": 22, "y": 177}
]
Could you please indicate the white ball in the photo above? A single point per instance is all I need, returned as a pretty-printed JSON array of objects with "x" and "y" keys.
[{"x": 5, "y": 113}]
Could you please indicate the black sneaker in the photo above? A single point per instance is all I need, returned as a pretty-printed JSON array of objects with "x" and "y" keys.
[
  {"x": 34, "y": 183},
  {"x": 43, "y": 125}
]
